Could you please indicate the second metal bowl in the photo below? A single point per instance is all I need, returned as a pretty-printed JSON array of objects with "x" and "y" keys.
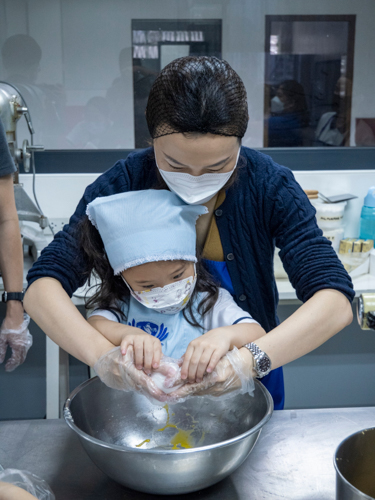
[{"x": 355, "y": 466}]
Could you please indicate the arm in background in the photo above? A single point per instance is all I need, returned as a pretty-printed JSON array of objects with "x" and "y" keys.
[{"x": 11, "y": 258}]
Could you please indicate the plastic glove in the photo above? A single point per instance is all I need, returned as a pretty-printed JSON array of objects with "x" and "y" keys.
[
  {"x": 232, "y": 376},
  {"x": 168, "y": 379},
  {"x": 28, "y": 482},
  {"x": 119, "y": 372},
  {"x": 19, "y": 340}
]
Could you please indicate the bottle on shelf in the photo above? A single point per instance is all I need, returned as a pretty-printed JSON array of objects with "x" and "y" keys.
[{"x": 367, "y": 220}]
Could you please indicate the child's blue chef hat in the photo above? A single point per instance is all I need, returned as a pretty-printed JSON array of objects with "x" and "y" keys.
[{"x": 145, "y": 226}]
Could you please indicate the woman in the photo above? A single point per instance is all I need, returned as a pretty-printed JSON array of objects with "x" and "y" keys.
[
  {"x": 197, "y": 115},
  {"x": 288, "y": 126}
]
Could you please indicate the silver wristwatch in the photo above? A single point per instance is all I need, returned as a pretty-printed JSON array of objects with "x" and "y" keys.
[{"x": 262, "y": 364}]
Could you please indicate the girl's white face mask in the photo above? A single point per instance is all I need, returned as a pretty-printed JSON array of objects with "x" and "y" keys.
[
  {"x": 169, "y": 299},
  {"x": 195, "y": 190}
]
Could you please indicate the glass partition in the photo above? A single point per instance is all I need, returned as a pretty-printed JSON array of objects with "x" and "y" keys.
[
  {"x": 85, "y": 67},
  {"x": 308, "y": 80},
  {"x": 155, "y": 43}
]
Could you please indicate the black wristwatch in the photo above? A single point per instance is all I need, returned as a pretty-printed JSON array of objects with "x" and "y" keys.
[{"x": 6, "y": 296}]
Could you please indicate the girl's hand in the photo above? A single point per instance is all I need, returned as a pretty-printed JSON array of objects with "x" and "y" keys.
[
  {"x": 146, "y": 348},
  {"x": 118, "y": 372},
  {"x": 203, "y": 354}
]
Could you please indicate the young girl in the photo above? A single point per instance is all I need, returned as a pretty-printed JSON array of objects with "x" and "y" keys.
[{"x": 154, "y": 294}]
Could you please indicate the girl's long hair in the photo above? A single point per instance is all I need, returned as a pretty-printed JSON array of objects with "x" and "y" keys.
[{"x": 111, "y": 290}]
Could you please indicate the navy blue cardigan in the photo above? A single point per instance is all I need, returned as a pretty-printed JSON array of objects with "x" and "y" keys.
[{"x": 264, "y": 207}]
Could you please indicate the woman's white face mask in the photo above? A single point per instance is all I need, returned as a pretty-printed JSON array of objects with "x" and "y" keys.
[{"x": 195, "y": 190}]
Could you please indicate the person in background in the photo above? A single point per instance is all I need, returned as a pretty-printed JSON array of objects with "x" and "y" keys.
[
  {"x": 14, "y": 328},
  {"x": 22, "y": 56},
  {"x": 197, "y": 115},
  {"x": 289, "y": 118},
  {"x": 334, "y": 126}
]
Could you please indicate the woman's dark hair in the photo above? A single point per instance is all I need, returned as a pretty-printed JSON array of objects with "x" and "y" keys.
[
  {"x": 112, "y": 289},
  {"x": 197, "y": 95}
]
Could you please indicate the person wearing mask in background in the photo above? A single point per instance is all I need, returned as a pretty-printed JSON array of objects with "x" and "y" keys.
[
  {"x": 14, "y": 328},
  {"x": 197, "y": 114},
  {"x": 289, "y": 120}
]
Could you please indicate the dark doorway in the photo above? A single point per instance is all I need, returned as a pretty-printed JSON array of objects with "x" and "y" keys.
[
  {"x": 308, "y": 80},
  {"x": 158, "y": 42}
]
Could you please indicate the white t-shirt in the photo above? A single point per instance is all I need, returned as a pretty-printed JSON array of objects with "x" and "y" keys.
[
  {"x": 174, "y": 332},
  {"x": 327, "y": 135}
]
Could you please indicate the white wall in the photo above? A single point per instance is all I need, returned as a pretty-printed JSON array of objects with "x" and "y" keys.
[
  {"x": 59, "y": 194},
  {"x": 81, "y": 41}
]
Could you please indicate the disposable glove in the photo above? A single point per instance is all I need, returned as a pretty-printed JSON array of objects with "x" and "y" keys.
[
  {"x": 232, "y": 376},
  {"x": 168, "y": 376},
  {"x": 119, "y": 372},
  {"x": 26, "y": 481},
  {"x": 19, "y": 340}
]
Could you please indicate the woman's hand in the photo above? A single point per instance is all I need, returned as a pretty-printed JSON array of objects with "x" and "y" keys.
[
  {"x": 233, "y": 375},
  {"x": 119, "y": 372},
  {"x": 203, "y": 354},
  {"x": 146, "y": 348},
  {"x": 18, "y": 338}
]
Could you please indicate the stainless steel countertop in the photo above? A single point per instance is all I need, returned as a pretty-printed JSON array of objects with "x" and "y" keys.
[{"x": 293, "y": 458}]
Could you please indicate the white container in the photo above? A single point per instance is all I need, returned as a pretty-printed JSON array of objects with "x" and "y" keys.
[
  {"x": 334, "y": 236},
  {"x": 329, "y": 215}
]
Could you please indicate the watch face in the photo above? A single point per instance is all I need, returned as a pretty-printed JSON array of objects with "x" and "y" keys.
[{"x": 264, "y": 363}]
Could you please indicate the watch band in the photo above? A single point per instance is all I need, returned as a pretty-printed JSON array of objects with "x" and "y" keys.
[
  {"x": 6, "y": 296},
  {"x": 262, "y": 363}
]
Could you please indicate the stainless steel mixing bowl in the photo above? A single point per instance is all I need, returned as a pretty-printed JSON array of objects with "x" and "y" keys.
[
  {"x": 355, "y": 466},
  {"x": 132, "y": 440}
]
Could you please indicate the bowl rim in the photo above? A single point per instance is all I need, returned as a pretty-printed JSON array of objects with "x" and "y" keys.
[
  {"x": 339, "y": 473},
  {"x": 128, "y": 449}
]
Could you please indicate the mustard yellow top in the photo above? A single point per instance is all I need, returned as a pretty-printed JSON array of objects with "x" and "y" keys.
[{"x": 213, "y": 249}]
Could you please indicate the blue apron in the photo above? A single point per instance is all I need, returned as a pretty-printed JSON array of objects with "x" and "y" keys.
[
  {"x": 173, "y": 331},
  {"x": 274, "y": 381}
]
